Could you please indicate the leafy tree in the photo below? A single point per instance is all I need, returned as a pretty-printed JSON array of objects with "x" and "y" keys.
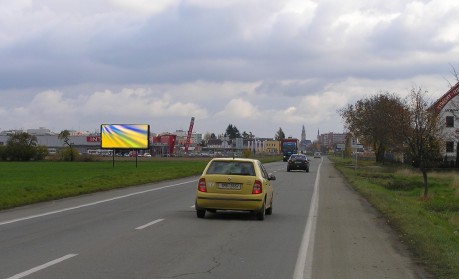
[
  {"x": 232, "y": 132},
  {"x": 42, "y": 152},
  {"x": 375, "y": 121},
  {"x": 21, "y": 147},
  {"x": 246, "y": 153},
  {"x": 65, "y": 136},
  {"x": 3, "y": 152},
  {"x": 280, "y": 135},
  {"x": 247, "y": 136},
  {"x": 422, "y": 133}
]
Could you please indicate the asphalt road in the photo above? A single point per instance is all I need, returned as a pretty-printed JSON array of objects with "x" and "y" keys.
[{"x": 319, "y": 229}]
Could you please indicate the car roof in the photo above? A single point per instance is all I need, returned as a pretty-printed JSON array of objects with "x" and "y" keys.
[{"x": 235, "y": 159}]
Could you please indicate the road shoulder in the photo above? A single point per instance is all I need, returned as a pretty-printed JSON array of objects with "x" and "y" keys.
[{"x": 351, "y": 237}]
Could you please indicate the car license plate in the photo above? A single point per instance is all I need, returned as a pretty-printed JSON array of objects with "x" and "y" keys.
[
  {"x": 229, "y": 186},
  {"x": 298, "y": 163}
]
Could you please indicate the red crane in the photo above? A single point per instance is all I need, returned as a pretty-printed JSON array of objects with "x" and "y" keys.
[{"x": 188, "y": 137}]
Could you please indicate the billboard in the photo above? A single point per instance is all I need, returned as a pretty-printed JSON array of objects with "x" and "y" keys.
[{"x": 132, "y": 136}]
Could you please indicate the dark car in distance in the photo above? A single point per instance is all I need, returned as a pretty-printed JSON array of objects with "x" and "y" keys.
[{"x": 298, "y": 162}]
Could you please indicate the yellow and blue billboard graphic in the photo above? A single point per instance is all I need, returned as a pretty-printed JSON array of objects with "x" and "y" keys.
[{"x": 133, "y": 136}]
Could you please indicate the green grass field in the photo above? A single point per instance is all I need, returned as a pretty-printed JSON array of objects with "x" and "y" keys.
[
  {"x": 429, "y": 227},
  {"x": 24, "y": 183},
  {"x": 29, "y": 182}
]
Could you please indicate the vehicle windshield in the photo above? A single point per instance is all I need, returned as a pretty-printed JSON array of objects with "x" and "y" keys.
[
  {"x": 288, "y": 146},
  {"x": 235, "y": 168},
  {"x": 298, "y": 157}
]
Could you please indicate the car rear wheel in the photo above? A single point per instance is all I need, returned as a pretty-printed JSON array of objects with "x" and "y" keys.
[
  {"x": 200, "y": 213},
  {"x": 261, "y": 213},
  {"x": 269, "y": 211}
]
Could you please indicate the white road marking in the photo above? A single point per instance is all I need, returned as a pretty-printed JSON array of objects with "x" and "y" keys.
[
  {"x": 307, "y": 243},
  {"x": 43, "y": 266},
  {"x": 90, "y": 204},
  {"x": 149, "y": 224},
  {"x": 193, "y": 206}
]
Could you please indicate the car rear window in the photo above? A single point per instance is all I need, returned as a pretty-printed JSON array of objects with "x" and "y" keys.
[
  {"x": 235, "y": 168},
  {"x": 298, "y": 157}
]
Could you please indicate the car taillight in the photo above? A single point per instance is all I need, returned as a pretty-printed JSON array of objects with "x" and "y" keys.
[
  {"x": 257, "y": 187},
  {"x": 202, "y": 185}
]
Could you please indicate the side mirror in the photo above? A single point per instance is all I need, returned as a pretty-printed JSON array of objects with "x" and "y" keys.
[{"x": 271, "y": 177}]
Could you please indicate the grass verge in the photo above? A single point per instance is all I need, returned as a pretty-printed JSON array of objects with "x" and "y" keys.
[
  {"x": 24, "y": 183},
  {"x": 429, "y": 227}
]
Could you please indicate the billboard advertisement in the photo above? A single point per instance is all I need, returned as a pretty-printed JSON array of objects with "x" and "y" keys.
[{"x": 129, "y": 136}]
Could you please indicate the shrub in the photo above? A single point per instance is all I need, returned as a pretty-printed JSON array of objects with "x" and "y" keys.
[
  {"x": 42, "y": 152},
  {"x": 246, "y": 153},
  {"x": 69, "y": 154}
]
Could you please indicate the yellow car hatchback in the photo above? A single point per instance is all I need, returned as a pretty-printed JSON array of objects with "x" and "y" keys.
[{"x": 235, "y": 184}]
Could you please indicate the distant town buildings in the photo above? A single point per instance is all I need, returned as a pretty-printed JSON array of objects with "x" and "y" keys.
[
  {"x": 172, "y": 143},
  {"x": 330, "y": 140}
]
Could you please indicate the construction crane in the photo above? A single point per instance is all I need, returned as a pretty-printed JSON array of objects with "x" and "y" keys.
[{"x": 188, "y": 137}]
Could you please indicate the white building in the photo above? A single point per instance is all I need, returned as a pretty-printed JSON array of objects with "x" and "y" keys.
[{"x": 448, "y": 107}]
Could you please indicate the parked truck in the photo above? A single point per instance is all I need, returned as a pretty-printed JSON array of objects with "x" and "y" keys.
[{"x": 289, "y": 146}]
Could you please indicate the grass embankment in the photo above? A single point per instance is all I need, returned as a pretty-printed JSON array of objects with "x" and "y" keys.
[
  {"x": 24, "y": 183},
  {"x": 429, "y": 227},
  {"x": 29, "y": 182}
]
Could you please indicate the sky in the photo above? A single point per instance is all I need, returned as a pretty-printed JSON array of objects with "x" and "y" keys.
[{"x": 259, "y": 65}]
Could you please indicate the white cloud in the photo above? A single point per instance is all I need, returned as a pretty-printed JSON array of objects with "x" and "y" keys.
[
  {"x": 239, "y": 109},
  {"x": 145, "y": 7},
  {"x": 139, "y": 102},
  {"x": 258, "y": 64}
]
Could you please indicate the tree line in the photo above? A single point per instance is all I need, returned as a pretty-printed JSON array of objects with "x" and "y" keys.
[
  {"x": 408, "y": 126},
  {"x": 24, "y": 147},
  {"x": 232, "y": 132}
]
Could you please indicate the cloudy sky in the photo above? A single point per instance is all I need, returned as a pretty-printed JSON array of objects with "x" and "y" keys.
[{"x": 260, "y": 65}]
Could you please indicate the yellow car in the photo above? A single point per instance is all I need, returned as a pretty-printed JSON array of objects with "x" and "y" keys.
[{"x": 235, "y": 184}]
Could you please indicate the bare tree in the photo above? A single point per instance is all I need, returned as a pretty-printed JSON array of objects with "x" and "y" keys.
[
  {"x": 454, "y": 73},
  {"x": 422, "y": 133}
]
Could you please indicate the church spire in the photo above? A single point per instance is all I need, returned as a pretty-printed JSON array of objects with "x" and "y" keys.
[{"x": 303, "y": 134}]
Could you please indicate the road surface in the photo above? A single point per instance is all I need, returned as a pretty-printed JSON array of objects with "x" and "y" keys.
[{"x": 319, "y": 229}]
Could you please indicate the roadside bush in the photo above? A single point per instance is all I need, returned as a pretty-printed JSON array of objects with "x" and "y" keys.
[
  {"x": 2, "y": 153},
  {"x": 42, "y": 152},
  {"x": 246, "y": 153},
  {"x": 69, "y": 154},
  {"x": 17, "y": 152},
  {"x": 22, "y": 147}
]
